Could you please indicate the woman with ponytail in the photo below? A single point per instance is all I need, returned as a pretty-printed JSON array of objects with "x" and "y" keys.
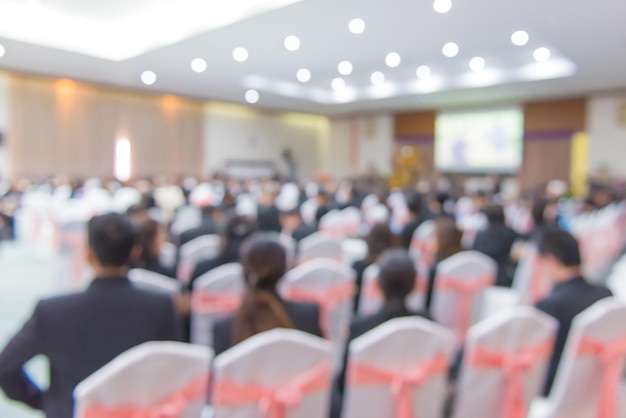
[{"x": 264, "y": 262}]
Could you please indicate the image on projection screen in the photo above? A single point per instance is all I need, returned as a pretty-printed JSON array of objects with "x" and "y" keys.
[{"x": 487, "y": 141}]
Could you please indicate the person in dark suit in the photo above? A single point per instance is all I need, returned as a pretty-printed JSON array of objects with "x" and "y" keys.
[
  {"x": 268, "y": 215},
  {"x": 212, "y": 217},
  {"x": 571, "y": 293},
  {"x": 80, "y": 333},
  {"x": 264, "y": 263},
  {"x": 293, "y": 225},
  {"x": 396, "y": 281},
  {"x": 416, "y": 211},
  {"x": 497, "y": 241}
]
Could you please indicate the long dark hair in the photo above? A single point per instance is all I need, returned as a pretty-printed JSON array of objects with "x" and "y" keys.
[
  {"x": 448, "y": 237},
  {"x": 147, "y": 232},
  {"x": 264, "y": 263},
  {"x": 378, "y": 240}
]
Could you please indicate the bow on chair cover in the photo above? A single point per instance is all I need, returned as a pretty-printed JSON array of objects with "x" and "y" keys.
[
  {"x": 208, "y": 302},
  {"x": 173, "y": 406},
  {"x": 515, "y": 365},
  {"x": 273, "y": 402},
  {"x": 402, "y": 382},
  {"x": 328, "y": 299}
]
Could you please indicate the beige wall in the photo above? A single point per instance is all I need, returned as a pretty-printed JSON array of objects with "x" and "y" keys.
[
  {"x": 5, "y": 169},
  {"x": 606, "y": 126}
]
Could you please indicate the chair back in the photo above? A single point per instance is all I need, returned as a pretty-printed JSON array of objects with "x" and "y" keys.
[
  {"x": 290, "y": 246},
  {"x": 308, "y": 209},
  {"x": 350, "y": 222},
  {"x": 460, "y": 282},
  {"x": 353, "y": 249},
  {"x": 505, "y": 362},
  {"x": 253, "y": 379},
  {"x": 588, "y": 380},
  {"x": 196, "y": 250},
  {"x": 531, "y": 283},
  {"x": 331, "y": 224},
  {"x": 319, "y": 245},
  {"x": 398, "y": 370},
  {"x": 422, "y": 250},
  {"x": 371, "y": 298},
  {"x": 216, "y": 294},
  {"x": 151, "y": 379},
  {"x": 155, "y": 282}
]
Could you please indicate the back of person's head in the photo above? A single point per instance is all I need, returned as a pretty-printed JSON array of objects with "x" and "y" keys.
[
  {"x": 147, "y": 236},
  {"x": 264, "y": 262},
  {"x": 414, "y": 203},
  {"x": 112, "y": 238},
  {"x": 448, "y": 237},
  {"x": 378, "y": 240},
  {"x": 397, "y": 274},
  {"x": 559, "y": 244},
  {"x": 495, "y": 215},
  {"x": 238, "y": 228}
]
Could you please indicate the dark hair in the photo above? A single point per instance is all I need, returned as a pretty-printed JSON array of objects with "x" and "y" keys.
[
  {"x": 264, "y": 262},
  {"x": 414, "y": 203},
  {"x": 537, "y": 210},
  {"x": 238, "y": 228},
  {"x": 495, "y": 215},
  {"x": 147, "y": 231},
  {"x": 397, "y": 274},
  {"x": 378, "y": 240},
  {"x": 561, "y": 245},
  {"x": 111, "y": 238},
  {"x": 448, "y": 237}
]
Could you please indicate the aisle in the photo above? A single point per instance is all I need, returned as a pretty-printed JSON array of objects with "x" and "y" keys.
[{"x": 25, "y": 276}]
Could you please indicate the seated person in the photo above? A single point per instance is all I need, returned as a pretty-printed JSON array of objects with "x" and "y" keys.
[
  {"x": 416, "y": 213},
  {"x": 264, "y": 263},
  {"x": 571, "y": 294},
  {"x": 151, "y": 236},
  {"x": 447, "y": 243},
  {"x": 81, "y": 332},
  {"x": 212, "y": 217},
  {"x": 293, "y": 226},
  {"x": 497, "y": 241},
  {"x": 396, "y": 281},
  {"x": 237, "y": 230}
]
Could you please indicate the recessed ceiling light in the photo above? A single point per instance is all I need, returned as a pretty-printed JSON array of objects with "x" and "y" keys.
[
  {"x": 442, "y": 6},
  {"x": 252, "y": 96},
  {"x": 338, "y": 84},
  {"x": 240, "y": 54},
  {"x": 377, "y": 78},
  {"x": 292, "y": 43},
  {"x": 303, "y": 75},
  {"x": 520, "y": 38},
  {"x": 345, "y": 68},
  {"x": 148, "y": 77},
  {"x": 357, "y": 26},
  {"x": 393, "y": 59},
  {"x": 477, "y": 64},
  {"x": 541, "y": 54},
  {"x": 423, "y": 72},
  {"x": 450, "y": 50},
  {"x": 198, "y": 65},
  {"x": 2, "y": 51}
]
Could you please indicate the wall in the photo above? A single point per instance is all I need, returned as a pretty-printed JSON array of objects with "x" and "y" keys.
[
  {"x": 606, "y": 126},
  {"x": 5, "y": 168}
]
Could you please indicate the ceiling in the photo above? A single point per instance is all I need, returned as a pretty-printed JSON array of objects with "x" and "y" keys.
[{"x": 112, "y": 42}]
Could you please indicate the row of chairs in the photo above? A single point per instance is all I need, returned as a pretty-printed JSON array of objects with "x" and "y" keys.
[{"x": 397, "y": 370}]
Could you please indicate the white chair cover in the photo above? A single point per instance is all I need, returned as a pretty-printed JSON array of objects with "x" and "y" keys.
[
  {"x": 332, "y": 224},
  {"x": 505, "y": 361},
  {"x": 319, "y": 245},
  {"x": 330, "y": 285},
  {"x": 216, "y": 294},
  {"x": 155, "y": 379},
  {"x": 460, "y": 282},
  {"x": 279, "y": 373},
  {"x": 196, "y": 250},
  {"x": 399, "y": 369},
  {"x": 167, "y": 255},
  {"x": 591, "y": 368},
  {"x": 350, "y": 222},
  {"x": 308, "y": 209},
  {"x": 353, "y": 249},
  {"x": 291, "y": 247},
  {"x": 149, "y": 280},
  {"x": 422, "y": 249},
  {"x": 371, "y": 298}
]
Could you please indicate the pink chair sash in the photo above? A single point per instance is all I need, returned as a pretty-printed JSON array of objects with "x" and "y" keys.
[
  {"x": 538, "y": 288},
  {"x": 514, "y": 366},
  {"x": 303, "y": 260},
  {"x": 207, "y": 302},
  {"x": 273, "y": 402},
  {"x": 466, "y": 290},
  {"x": 611, "y": 356},
  {"x": 402, "y": 382},
  {"x": 328, "y": 299},
  {"x": 173, "y": 406},
  {"x": 427, "y": 257}
]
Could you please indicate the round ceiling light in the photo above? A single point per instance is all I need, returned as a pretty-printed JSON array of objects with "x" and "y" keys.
[
  {"x": 393, "y": 59},
  {"x": 252, "y": 96},
  {"x": 450, "y": 50},
  {"x": 377, "y": 78},
  {"x": 2, "y": 50},
  {"x": 148, "y": 77},
  {"x": 357, "y": 26},
  {"x": 198, "y": 65},
  {"x": 292, "y": 43},
  {"x": 303, "y": 75},
  {"x": 345, "y": 68},
  {"x": 477, "y": 64},
  {"x": 423, "y": 72},
  {"x": 240, "y": 54},
  {"x": 520, "y": 38},
  {"x": 442, "y": 6},
  {"x": 541, "y": 54},
  {"x": 338, "y": 84}
]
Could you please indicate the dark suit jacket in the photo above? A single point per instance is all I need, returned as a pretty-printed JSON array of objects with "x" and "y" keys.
[
  {"x": 302, "y": 231},
  {"x": 207, "y": 227},
  {"x": 359, "y": 267},
  {"x": 305, "y": 317},
  {"x": 268, "y": 219},
  {"x": 359, "y": 326},
  {"x": 567, "y": 300},
  {"x": 496, "y": 242},
  {"x": 79, "y": 334}
]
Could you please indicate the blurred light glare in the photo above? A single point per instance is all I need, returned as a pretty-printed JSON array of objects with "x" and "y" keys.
[
  {"x": 423, "y": 72},
  {"x": 240, "y": 54},
  {"x": 357, "y": 26},
  {"x": 303, "y": 75},
  {"x": 450, "y": 50},
  {"x": 198, "y": 65},
  {"x": 252, "y": 96},
  {"x": 393, "y": 59},
  {"x": 148, "y": 77},
  {"x": 541, "y": 54},
  {"x": 122, "y": 165},
  {"x": 2, "y": 50},
  {"x": 442, "y": 6},
  {"x": 477, "y": 64},
  {"x": 345, "y": 68},
  {"x": 520, "y": 38},
  {"x": 338, "y": 84},
  {"x": 292, "y": 43},
  {"x": 377, "y": 78}
]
